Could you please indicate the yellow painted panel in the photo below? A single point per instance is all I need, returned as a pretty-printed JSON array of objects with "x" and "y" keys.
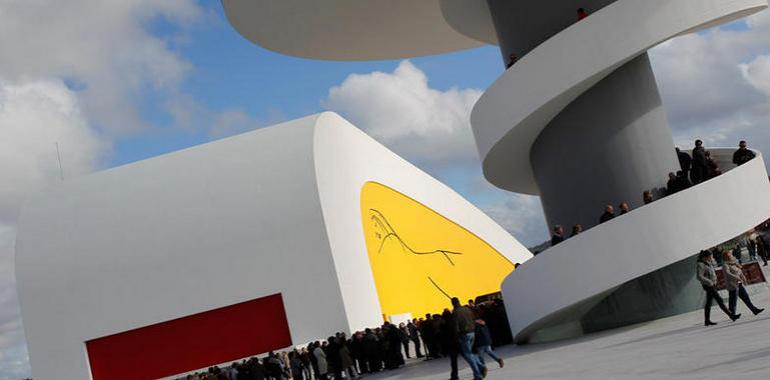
[{"x": 420, "y": 259}]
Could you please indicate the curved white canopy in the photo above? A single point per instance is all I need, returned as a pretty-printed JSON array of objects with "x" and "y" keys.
[{"x": 362, "y": 30}]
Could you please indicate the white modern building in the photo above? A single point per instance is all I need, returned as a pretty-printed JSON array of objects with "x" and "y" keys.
[
  {"x": 257, "y": 242},
  {"x": 577, "y": 119},
  {"x": 310, "y": 227}
]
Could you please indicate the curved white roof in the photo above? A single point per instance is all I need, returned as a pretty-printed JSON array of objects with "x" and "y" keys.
[{"x": 362, "y": 30}]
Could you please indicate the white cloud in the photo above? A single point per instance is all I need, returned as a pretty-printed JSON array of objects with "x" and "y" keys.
[
  {"x": 34, "y": 117},
  {"x": 104, "y": 47},
  {"x": 426, "y": 126},
  {"x": 716, "y": 85}
]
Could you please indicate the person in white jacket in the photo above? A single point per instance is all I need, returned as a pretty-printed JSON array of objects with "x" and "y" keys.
[
  {"x": 708, "y": 279},
  {"x": 735, "y": 279}
]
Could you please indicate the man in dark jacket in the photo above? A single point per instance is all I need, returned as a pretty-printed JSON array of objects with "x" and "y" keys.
[
  {"x": 699, "y": 163},
  {"x": 450, "y": 342},
  {"x": 414, "y": 336},
  {"x": 743, "y": 154},
  {"x": 466, "y": 329},
  {"x": 558, "y": 235},
  {"x": 685, "y": 161}
]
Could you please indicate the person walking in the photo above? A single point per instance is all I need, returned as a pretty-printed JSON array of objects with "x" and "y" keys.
[
  {"x": 708, "y": 279},
  {"x": 735, "y": 279},
  {"x": 466, "y": 330},
  {"x": 484, "y": 343}
]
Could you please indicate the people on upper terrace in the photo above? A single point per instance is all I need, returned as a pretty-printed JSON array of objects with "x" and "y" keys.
[
  {"x": 609, "y": 213},
  {"x": 512, "y": 58},
  {"x": 699, "y": 165},
  {"x": 581, "y": 14},
  {"x": 685, "y": 161},
  {"x": 624, "y": 208},
  {"x": 576, "y": 230},
  {"x": 743, "y": 154},
  {"x": 647, "y": 197},
  {"x": 712, "y": 166},
  {"x": 558, "y": 235}
]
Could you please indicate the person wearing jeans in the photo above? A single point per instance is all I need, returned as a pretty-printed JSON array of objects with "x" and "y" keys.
[
  {"x": 466, "y": 330},
  {"x": 484, "y": 343},
  {"x": 735, "y": 279},
  {"x": 708, "y": 279}
]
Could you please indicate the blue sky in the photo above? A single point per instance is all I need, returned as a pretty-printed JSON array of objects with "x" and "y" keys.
[{"x": 231, "y": 72}]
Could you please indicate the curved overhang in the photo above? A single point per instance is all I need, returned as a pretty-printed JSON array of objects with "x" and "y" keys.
[
  {"x": 585, "y": 268},
  {"x": 354, "y": 30},
  {"x": 510, "y": 115}
]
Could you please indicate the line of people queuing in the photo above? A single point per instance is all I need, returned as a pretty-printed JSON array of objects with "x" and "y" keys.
[
  {"x": 695, "y": 169},
  {"x": 385, "y": 348}
]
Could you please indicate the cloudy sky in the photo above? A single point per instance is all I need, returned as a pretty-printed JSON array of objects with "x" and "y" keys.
[{"x": 111, "y": 82}]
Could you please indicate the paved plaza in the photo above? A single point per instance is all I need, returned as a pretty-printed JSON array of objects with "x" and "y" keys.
[{"x": 678, "y": 347}]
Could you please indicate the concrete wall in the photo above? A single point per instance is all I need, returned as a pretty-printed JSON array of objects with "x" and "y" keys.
[{"x": 608, "y": 146}]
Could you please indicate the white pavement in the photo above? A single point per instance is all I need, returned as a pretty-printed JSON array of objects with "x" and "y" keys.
[{"x": 678, "y": 347}]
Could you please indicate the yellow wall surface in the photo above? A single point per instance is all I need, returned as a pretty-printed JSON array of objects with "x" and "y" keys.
[{"x": 420, "y": 258}]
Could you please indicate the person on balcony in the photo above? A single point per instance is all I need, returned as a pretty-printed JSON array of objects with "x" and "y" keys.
[
  {"x": 685, "y": 161},
  {"x": 511, "y": 61},
  {"x": 699, "y": 165},
  {"x": 708, "y": 279},
  {"x": 558, "y": 235},
  {"x": 576, "y": 230},
  {"x": 609, "y": 213},
  {"x": 673, "y": 184},
  {"x": 647, "y": 197},
  {"x": 624, "y": 208},
  {"x": 735, "y": 280},
  {"x": 712, "y": 166},
  {"x": 581, "y": 14},
  {"x": 743, "y": 154}
]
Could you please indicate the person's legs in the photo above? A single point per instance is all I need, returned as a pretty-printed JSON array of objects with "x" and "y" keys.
[
  {"x": 732, "y": 300},
  {"x": 716, "y": 297},
  {"x": 488, "y": 351},
  {"x": 466, "y": 349},
  {"x": 406, "y": 349},
  {"x": 747, "y": 300},
  {"x": 453, "y": 364},
  {"x": 707, "y": 307},
  {"x": 417, "y": 351}
]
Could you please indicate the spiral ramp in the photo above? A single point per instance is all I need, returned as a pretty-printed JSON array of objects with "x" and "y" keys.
[{"x": 553, "y": 290}]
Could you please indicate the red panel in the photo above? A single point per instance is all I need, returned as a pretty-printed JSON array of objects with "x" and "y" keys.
[{"x": 195, "y": 341}]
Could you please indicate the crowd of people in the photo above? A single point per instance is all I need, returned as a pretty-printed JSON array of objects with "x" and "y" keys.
[
  {"x": 695, "y": 169},
  {"x": 468, "y": 331}
]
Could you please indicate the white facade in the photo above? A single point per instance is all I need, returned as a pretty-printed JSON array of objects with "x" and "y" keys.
[{"x": 272, "y": 211}]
